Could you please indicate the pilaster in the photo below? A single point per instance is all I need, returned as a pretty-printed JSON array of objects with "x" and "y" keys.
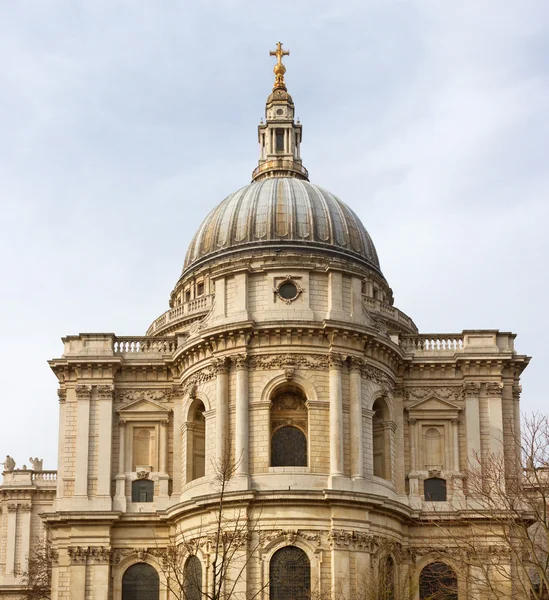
[
  {"x": 221, "y": 409},
  {"x": 83, "y": 398},
  {"x": 104, "y": 453},
  {"x": 242, "y": 419},
  {"x": 336, "y": 418}
]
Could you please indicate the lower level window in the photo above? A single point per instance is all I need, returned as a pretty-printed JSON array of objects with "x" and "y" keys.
[
  {"x": 142, "y": 490},
  {"x": 435, "y": 489}
]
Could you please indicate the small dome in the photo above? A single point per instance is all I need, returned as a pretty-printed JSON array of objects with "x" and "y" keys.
[{"x": 282, "y": 212}]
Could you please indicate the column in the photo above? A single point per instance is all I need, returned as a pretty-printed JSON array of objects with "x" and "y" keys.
[
  {"x": 83, "y": 397},
  {"x": 336, "y": 416},
  {"x": 100, "y": 574},
  {"x": 471, "y": 391},
  {"x": 517, "y": 390},
  {"x": 357, "y": 443},
  {"x": 104, "y": 452},
  {"x": 162, "y": 463},
  {"x": 62, "y": 395},
  {"x": 10, "y": 539},
  {"x": 455, "y": 437},
  {"x": 77, "y": 572},
  {"x": 120, "y": 497},
  {"x": 25, "y": 531},
  {"x": 494, "y": 392},
  {"x": 242, "y": 420},
  {"x": 177, "y": 445},
  {"x": 413, "y": 476},
  {"x": 221, "y": 410}
]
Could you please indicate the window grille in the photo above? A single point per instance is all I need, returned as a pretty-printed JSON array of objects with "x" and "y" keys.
[
  {"x": 193, "y": 579},
  {"x": 288, "y": 447},
  {"x": 438, "y": 580},
  {"x": 140, "y": 582},
  {"x": 435, "y": 489},
  {"x": 289, "y": 575},
  {"x": 142, "y": 490}
]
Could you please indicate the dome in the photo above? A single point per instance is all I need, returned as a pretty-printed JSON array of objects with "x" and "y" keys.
[{"x": 282, "y": 212}]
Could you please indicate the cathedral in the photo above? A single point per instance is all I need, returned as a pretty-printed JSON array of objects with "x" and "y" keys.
[{"x": 282, "y": 431}]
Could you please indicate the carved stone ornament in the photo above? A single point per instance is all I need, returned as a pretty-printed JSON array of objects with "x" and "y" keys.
[
  {"x": 83, "y": 392},
  {"x": 190, "y": 385},
  {"x": 130, "y": 396},
  {"x": 100, "y": 554},
  {"x": 517, "y": 391},
  {"x": 355, "y": 363},
  {"x": 12, "y": 508},
  {"x": 142, "y": 474},
  {"x": 290, "y": 536},
  {"x": 25, "y": 507},
  {"x": 289, "y": 373},
  {"x": 105, "y": 392},
  {"x": 288, "y": 401},
  {"x": 443, "y": 393},
  {"x": 278, "y": 423},
  {"x": 335, "y": 361},
  {"x": 220, "y": 365},
  {"x": 78, "y": 554},
  {"x": 470, "y": 388},
  {"x": 378, "y": 376},
  {"x": 341, "y": 538},
  {"x": 240, "y": 361},
  {"x": 284, "y": 361},
  {"x": 494, "y": 388},
  {"x": 142, "y": 553},
  {"x": 62, "y": 394}
]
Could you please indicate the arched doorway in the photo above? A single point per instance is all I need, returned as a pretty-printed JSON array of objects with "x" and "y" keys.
[
  {"x": 140, "y": 582},
  {"x": 289, "y": 575}
]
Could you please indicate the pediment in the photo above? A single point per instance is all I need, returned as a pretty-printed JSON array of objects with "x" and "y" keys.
[
  {"x": 143, "y": 410},
  {"x": 434, "y": 403}
]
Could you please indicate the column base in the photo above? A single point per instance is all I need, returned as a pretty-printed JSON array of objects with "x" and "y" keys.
[
  {"x": 240, "y": 482},
  {"x": 339, "y": 481}
]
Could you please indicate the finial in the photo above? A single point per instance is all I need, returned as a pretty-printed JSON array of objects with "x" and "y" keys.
[{"x": 279, "y": 68}]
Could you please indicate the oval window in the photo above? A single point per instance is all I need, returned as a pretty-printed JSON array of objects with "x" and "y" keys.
[
  {"x": 279, "y": 111},
  {"x": 288, "y": 290}
]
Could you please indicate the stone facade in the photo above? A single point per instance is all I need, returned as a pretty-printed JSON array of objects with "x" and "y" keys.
[{"x": 237, "y": 359}]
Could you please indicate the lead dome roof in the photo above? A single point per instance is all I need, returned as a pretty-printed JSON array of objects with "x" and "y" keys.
[{"x": 281, "y": 212}]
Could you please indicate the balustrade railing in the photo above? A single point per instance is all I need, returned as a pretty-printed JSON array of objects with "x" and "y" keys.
[
  {"x": 39, "y": 476},
  {"x": 201, "y": 304},
  {"x": 440, "y": 342},
  {"x": 145, "y": 345},
  {"x": 390, "y": 311}
]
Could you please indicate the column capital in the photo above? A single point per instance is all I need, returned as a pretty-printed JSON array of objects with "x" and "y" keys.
[
  {"x": 470, "y": 388},
  {"x": 83, "y": 392},
  {"x": 220, "y": 365},
  {"x": 240, "y": 361},
  {"x": 355, "y": 363},
  {"x": 62, "y": 394},
  {"x": 517, "y": 391},
  {"x": 105, "y": 392},
  {"x": 335, "y": 360},
  {"x": 494, "y": 388}
]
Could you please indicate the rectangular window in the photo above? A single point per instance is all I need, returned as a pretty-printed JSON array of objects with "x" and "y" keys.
[
  {"x": 280, "y": 140},
  {"x": 199, "y": 289}
]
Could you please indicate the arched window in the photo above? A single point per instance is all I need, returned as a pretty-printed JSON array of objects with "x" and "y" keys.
[
  {"x": 193, "y": 579},
  {"x": 435, "y": 489},
  {"x": 289, "y": 575},
  {"x": 140, "y": 582},
  {"x": 289, "y": 428},
  {"x": 196, "y": 441},
  {"x": 438, "y": 581},
  {"x": 142, "y": 490},
  {"x": 387, "y": 579},
  {"x": 380, "y": 440}
]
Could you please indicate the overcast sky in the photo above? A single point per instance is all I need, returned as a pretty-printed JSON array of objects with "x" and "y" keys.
[{"x": 122, "y": 123}]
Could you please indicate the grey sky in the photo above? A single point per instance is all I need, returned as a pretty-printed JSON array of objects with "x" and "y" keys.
[{"x": 123, "y": 122}]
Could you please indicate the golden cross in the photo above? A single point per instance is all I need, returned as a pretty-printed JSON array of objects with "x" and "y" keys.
[
  {"x": 279, "y": 68},
  {"x": 279, "y": 53}
]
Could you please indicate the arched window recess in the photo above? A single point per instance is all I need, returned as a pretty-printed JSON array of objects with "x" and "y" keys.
[{"x": 289, "y": 427}]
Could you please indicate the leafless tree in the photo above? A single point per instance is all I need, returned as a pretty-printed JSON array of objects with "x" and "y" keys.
[
  {"x": 37, "y": 576},
  {"x": 501, "y": 537},
  {"x": 231, "y": 538}
]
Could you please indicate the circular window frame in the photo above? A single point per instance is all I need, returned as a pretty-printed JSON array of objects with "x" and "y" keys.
[{"x": 285, "y": 281}]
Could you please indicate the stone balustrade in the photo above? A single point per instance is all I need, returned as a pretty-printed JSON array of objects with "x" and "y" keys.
[
  {"x": 27, "y": 477},
  {"x": 43, "y": 477},
  {"x": 440, "y": 342},
  {"x": 179, "y": 313},
  {"x": 375, "y": 305},
  {"x": 145, "y": 345}
]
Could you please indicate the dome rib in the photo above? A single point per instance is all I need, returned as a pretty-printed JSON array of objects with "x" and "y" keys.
[{"x": 281, "y": 212}]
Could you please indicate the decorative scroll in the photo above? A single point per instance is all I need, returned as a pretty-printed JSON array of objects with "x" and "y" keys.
[
  {"x": 470, "y": 388},
  {"x": 130, "y": 396},
  {"x": 494, "y": 388},
  {"x": 105, "y": 392},
  {"x": 190, "y": 384},
  {"x": 83, "y": 392}
]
